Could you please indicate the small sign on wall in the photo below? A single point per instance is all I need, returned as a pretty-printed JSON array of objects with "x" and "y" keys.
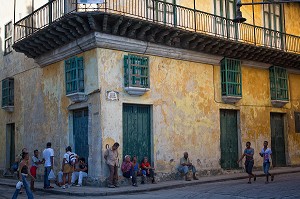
[{"x": 112, "y": 95}]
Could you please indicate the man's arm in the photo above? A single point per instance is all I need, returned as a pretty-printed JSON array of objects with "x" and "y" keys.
[
  {"x": 52, "y": 161},
  {"x": 241, "y": 158}
]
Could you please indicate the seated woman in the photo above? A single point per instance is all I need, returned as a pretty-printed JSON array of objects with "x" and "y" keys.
[
  {"x": 147, "y": 170},
  {"x": 127, "y": 169}
]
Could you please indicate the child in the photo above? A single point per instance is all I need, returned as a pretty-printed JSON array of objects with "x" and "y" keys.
[{"x": 35, "y": 162}]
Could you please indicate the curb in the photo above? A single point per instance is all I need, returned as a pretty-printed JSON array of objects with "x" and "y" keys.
[{"x": 147, "y": 189}]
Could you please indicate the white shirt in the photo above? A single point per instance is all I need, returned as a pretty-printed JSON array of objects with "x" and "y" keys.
[
  {"x": 47, "y": 153},
  {"x": 67, "y": 157}
]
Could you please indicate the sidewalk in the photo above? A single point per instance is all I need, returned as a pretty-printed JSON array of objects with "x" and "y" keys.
[{"x": 103, "y": 191}]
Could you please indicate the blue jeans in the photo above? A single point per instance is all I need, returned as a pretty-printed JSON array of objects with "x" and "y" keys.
[
  {"x": 46, "y": 174},
  {"x": 266, "y": 167},
  {"x": 185, "y": 169},
  {"x": 28, "y": 191}
]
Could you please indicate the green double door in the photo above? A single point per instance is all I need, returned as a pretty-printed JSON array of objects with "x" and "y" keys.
[
  {"x": 137, "y": 131},
  {"x": 277, "y": 139},
  {"x": 229, "y": 139},
  {"x": 80, "y": 133}
]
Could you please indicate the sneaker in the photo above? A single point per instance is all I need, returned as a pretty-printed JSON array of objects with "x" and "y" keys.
[
  {"x": 63, "y": 187},
  {"x": 116, "y": 185},
  {"x": 254, "y": 178},
  {"x": 249, "y": 182},
  {"x": 272, "y": 177},
  {"x": 134, "y": 184},
  {"x": 66, "y": 186},
  {"x": 111, "y": 186},
  {"x": 79, "y": 185},
  {"x": 195, "y": 178}
]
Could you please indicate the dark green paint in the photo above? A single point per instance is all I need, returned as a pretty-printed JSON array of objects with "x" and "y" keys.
[
  {"x": 229, "y": 139},
  {"x": 80, "y": 133},
  {"x": 136, "y": 131},
  {"x": 277, "y": 139}
]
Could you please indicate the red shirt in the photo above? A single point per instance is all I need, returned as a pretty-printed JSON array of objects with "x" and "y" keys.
[{"x": 144, "y": 165}]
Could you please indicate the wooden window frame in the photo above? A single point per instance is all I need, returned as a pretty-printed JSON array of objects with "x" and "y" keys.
[
  {"x": 8, "y": 38},
  {"x": 74, "y": 73},
  {"x": 7, "y": 92},
  {"x": 231, "y": 77},
  {"x": 279, "y": 83},
  {"x": 136, "y": 71}
]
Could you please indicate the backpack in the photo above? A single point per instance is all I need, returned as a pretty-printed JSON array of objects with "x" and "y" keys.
[{"x": 71, "y": 160}]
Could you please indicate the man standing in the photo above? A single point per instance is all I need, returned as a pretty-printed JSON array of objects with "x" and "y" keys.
[
  {"x": 111, "y": 157},
  {"x": 248, "y": 152},
  {"x": 266, "y": 153},
  {"x": 186, "y": 166},
  {"x": 48, "y": 156}
]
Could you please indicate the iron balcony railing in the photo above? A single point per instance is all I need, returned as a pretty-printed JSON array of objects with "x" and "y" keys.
[{"x": 163, "y": 13}]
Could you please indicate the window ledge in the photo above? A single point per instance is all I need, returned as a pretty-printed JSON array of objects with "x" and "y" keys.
[
  {"x": 231, "y": 99},
  {"x": 77, "y": 97},
  {"x": 136, "y": 90},
  {"x": 279, "y": 103},
  {"x": 8, "y": 108}
]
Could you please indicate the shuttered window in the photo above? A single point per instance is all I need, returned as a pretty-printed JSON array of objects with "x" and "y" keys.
[
  {"x": 8, "y": 38},
  {"x": 231, "y": 77},
  {"x": 136, "y": 71},
  {"x": 279, "y": 83},
  {"x": 74, "y": 71},
  {"x": 8, "y": 92}
]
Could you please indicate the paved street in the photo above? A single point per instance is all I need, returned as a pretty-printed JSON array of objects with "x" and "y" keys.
[{"x": 284, "y": 186}]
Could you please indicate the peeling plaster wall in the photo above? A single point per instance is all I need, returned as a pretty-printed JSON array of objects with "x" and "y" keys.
[{"x": 186, "y": 101}]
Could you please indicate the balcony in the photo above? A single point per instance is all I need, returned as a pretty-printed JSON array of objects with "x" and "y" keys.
[{"x": 57, "y": 24}]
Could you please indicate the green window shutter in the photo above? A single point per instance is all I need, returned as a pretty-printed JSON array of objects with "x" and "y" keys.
[
  {"x": 74, "y": 72},
  {"x": 231, "y": 77},
  {"x": 279, "y": 83},
  {"x": 8, "y": 92},
  {"x": 136, "y": 71}
]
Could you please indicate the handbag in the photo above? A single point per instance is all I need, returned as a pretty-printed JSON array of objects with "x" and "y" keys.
[{"x": 51, "y": 175}]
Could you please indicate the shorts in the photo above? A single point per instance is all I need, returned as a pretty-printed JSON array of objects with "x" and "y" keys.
[
  {"x": 68, "y": 168},
  {"x": 249, "y": 166},
  {"x": 33, "y": 171}
]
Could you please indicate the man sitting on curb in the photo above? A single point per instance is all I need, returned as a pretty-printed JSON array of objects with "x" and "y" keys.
[
  {"x": 185, "y": 166},
  {"x": 81, "y": 171}
]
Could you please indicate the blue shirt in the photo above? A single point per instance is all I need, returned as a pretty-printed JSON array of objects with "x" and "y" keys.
[{"x": 249, "y": 152}]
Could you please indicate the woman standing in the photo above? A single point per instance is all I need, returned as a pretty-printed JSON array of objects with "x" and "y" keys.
[{"x": 23, "y": 173}]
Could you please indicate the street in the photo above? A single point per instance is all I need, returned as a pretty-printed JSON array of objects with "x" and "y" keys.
[{"x": 284, "y": 186}]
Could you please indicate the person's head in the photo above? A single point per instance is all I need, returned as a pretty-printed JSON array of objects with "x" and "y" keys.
[
  {"x": 145, "y": 159},
  {"x": 48, "y": 145},
  {"x": 127, "y": 158},
  {"x": 248, "y": 144},
  {"x": 36, "y": 153},
  {"x": 81, "y": 160},
  {"x": 115, "y": 146},
  {"x": 185, "y": 155},
  {"x": 266, "y": 143},
  {"x": 24, "y": 150},
  {"x": 25, "y": 156},
  {"x": 68, "y": 149},
  {"x": 134, "y": 159}
]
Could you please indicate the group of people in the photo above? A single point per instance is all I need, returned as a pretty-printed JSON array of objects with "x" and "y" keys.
[
  {"x": 265, "y": 153},
  {"x": 131, "y": 168},
  {"x": 73, "y": 168}
]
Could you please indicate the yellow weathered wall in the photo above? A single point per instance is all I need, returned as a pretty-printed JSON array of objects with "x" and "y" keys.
[{"x": 186, "y": 104}]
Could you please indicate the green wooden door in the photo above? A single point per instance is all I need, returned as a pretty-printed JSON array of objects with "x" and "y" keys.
[
  {"x": 229, "y": 139},
  {"x": 277, "y": 139},
  {"x": 80, "y": 133},
  {"x": 10, "y": 145},
  {"x": 136, "y": 131}
]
